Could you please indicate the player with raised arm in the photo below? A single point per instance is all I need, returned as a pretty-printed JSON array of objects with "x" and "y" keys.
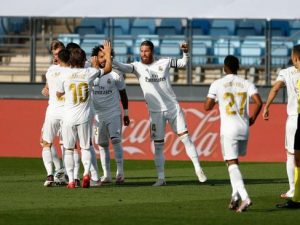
[
  {"x": 154, "y": 79},
  {"x": 77, "y": 117},
  {"x": 52, "y": 124},
  {"x": 232, "y": 94},
  {"x": 288, "y": 77},
  {"x": 106, "y": 94}
]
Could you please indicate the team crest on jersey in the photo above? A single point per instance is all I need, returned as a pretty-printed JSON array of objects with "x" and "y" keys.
[
  {"x": 109, "y": 81},
  {"x": 160, "y": 68}
]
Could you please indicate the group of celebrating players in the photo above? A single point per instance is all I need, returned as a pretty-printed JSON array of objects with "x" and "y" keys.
[{"x": 83, "y": 94}]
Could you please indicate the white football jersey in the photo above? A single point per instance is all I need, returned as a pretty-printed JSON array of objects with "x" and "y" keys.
[
  {"x": 290, "y": 76},
  {"x": 105, "y": 94},
  {"x": 155, "y": 82},
  {"x": 55, "y": 104},
  {"x": 76, "y": 84},
  {"x": 232, "y": 94}
]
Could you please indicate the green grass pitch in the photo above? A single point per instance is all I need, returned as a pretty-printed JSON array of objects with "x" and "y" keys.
[{"x": 24, "y": 200}]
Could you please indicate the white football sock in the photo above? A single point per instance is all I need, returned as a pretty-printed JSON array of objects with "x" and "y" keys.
[
  {"x": 237, "y": 180},
  {"x": 69, "y": 164},
  {"x": 94, "y": 166},
  {"x": 290, "y": 169},
  {"x": 159, "y": 159},
  {"x": 234, "y": 194},
  {"x": 47, "y": 159},
  {"x": 119, "y": 158},
  {"x": 105, "y": 161},
  {"x": 191, "y": 151},
  {"x": 86, "y": 160},
  {"x": 55, "y": 159},
  {"x": 76, "y": 157}
]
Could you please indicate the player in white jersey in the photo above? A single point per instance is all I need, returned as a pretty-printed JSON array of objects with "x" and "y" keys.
[
  {"x": 295, "y": 201},
  {"x": 75, "y": 85},
  {"x": 288, "y": 78},
  {"x": 232, "y": 94},
  {"x": 52, "y": 124},
  {"x": 106, "y": 94},
  {"x": 154, "y": 79}
]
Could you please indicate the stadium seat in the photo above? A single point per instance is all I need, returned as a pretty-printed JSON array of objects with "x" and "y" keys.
[
  {"x": 165, "y": 30},
  {"x": 170, "y": 46},
  {"x": 259, "y": 40},
  {"x": 257, "y": 25},
  {"x": 17, "y": 24},
  {"x": 229, "y": 24},
  {"x": 149, "y": 23},
  {"x": 279, "y": 27},
  {"x": 207, "y": 41},
  {"x": 200, "y": 27},
  {"x": 121, "y": 51},
  {"x": 279, "y": 55},
  {"x": 251, "y": 54},
  {"x": 224, "y": 47},
  {"x": 172, "y": 22},
  {"x": 295, "y": 33},
  {"x": 89, "y": 41},
  {"x": 199, "y": 54},
  {"x": 123, "y": 23},
  {"x": 219, "y": 31},
  {"x": 245, "y": 31},
  {"x": 83, "y": 30},
  {"x": 67, "y": 38},
  {"x": 97, "y": 23},
  {"x": 137, "y": 30}
]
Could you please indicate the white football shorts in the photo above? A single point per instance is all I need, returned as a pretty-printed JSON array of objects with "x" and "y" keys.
[
  {"x": 81, "y": 132},
  {"x": 50, "y": 129},
  {"x": 290, "y": 130},
  {"x": 232, "y": 149},
  {"x": 158, "y": 120},
  {"x": 108, "y": 128}
]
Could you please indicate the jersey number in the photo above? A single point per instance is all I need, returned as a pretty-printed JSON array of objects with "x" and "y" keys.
[
  {"x": 232, "y": 102},
  {"x": 80, "y": 92}
]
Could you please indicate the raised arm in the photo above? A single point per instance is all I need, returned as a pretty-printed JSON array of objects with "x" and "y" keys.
[
  {"x": 180, "y": 63},
  {"x": 123, "y": 67},
  {"x": 107, "y": 54},
  {"x": 272, "y": 94}
]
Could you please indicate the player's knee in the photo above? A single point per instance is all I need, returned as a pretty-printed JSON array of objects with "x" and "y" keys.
[
  {"x": 103, "y": 144},
  {"x": 115, "y": 140}
]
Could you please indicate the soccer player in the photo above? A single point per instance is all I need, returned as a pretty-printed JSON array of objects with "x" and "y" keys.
[
  {"x": 288, "y": 78},
  {"x": 75, "y": 85},
  {"x": 52, "y": 124},
  {"x": 106, "y": 93},
  {"x": 154, "y": 79},
  {"x": 233, "y": 93},
  {"x": 295, "y": 201}
]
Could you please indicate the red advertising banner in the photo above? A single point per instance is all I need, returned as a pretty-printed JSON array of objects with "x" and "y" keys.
[{"x": 21, "y": 123}]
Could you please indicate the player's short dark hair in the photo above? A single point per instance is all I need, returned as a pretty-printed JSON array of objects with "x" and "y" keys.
[
  {"x": 55, "y": 44},
  {"x": 296, "y": 50},
  {"x": 64, "y": 55},
  {"x": 72, "y": 45},
  {"x": 232, "y": 63},
  {"x": 149, "y": 44},
  {"x": 97, "y": 48},
  {"x": 77, "y": 57}
]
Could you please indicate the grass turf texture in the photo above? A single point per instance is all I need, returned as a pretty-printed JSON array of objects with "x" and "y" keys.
[{"x": 24, "y": 200}]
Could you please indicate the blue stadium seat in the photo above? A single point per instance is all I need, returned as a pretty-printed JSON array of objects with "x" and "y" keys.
[
  {"x": 295, "y": 33},
  {"x": 259, "y": 40},
  {"x": 67, "y": 38},
  {"x": 149, "y": 23},
  {"x": 279, "y": 54},
  {"x": 294, "y": 24},
  {"x": 245, "y": 31},
  {"x": 251, "y": 54},
  {"x": 169, "y": 49},
  {"x": 204, "y": 39},
  {"x": 257, "y": 25},
  {"x": 172, "y": 22},
  {"x": 229, "y": 24},
  {"x": 124, "y": 23},
  {"x": 219, "y": 31},
  {"x": 89, "y": 41},
  {"x": 200, "y": 26},
  {"x": 97, "y": 23},
  {"x": 83, "y": 30},
  {"x": 139, "y": 30},
  {"x": 121, "y": 51},
  {"x": 17, "y": 24},
  {"x": 199, "y": 54},
  {"x": 127, "y": 39},
  {"x": 224, "y": 47},
  {"x": 165, "y": 30},
  {"x": 280, "y": 27}
]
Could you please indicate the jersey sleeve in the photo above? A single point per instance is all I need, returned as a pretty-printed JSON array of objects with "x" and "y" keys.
[
  {"x": 281, "y": 76},
  {"x": 94, "y": 73},
  {"x": 212, "y": 92},
  {"x": 252, "y": 90},
  {"x": 120, "y": 83},
  {"x": 60, "y": 85}
]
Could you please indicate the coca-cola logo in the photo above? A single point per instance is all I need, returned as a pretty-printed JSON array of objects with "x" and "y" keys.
[{"x": 203, "y": 129}]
